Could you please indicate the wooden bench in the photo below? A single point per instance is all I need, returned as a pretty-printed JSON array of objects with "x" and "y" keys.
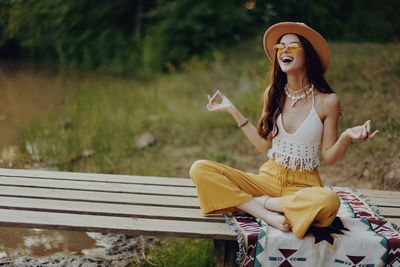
[{"x": 133, "y": 205}]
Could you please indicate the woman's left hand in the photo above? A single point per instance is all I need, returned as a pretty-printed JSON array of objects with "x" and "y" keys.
[{"x": 361, "y": 132}]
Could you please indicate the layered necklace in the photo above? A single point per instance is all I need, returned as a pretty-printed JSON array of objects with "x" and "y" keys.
[{"x": 295, "y": 96}]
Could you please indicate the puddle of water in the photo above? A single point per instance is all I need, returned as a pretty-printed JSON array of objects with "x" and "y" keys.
[
  {"x": 28, "y": 94},
  {"x": 16, "y": 242}
]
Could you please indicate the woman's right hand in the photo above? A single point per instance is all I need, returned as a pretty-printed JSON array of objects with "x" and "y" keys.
[
  {"x": 361, "y": 132},
  {"x": 225, "y": 105}
]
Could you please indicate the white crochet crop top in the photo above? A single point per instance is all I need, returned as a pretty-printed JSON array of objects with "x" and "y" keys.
[{"x": 301, "y": 147}]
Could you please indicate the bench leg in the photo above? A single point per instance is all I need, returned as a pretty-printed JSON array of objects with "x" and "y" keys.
[{"x": 225, "y": 253}]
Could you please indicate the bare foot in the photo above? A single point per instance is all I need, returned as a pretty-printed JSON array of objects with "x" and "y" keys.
[{"x": 277, "y": 220}]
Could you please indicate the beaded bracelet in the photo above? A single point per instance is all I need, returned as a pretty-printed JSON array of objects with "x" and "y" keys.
[{"x": 244, "y": 123}]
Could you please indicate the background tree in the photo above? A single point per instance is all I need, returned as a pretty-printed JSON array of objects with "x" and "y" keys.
[{"x": 132, "y": 36}]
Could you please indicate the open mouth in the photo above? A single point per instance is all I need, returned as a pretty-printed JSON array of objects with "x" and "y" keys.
[{"x": 287, "y": 59}]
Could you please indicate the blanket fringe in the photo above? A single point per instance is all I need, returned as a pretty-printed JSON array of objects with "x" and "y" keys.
[
  {"x": 241, "y": 254},
  {"x": 374, "y": 208}
]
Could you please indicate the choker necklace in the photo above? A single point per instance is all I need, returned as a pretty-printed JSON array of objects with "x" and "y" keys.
[{"x": 297, "y": 95}]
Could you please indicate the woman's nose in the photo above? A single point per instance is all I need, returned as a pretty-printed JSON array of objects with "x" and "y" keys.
[{"x": 285, "y": 48}]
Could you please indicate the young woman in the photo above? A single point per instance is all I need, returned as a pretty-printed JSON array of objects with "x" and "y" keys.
[{"x": 299, "y": 116}]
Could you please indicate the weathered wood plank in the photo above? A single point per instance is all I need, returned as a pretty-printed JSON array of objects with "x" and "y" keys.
[
  {"x": 379, "y": 193},
  {"x": 173, "y": 181},
  {"x": 128, "y": 198},
  {"x": 98, "y": 177},
  {"x": 395, "y": 221},
  {"x": 123, "y": 209},
  {"x": 113, "y": 178},
  {"x": 224, "y": 253},
  {"x": 385, "y": 202},
  {"x": 99, "y": 186},
  {"x": 105, "y": 209},
  {"x": 108, "y": 224},
  {"x": 219, "y": 253},
  {"x": 389, "y": 212},
  {"x": 123, "y": 189},
  {"x": 102, "y": 197}
]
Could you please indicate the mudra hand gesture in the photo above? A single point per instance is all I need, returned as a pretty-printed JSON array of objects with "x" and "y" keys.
[
  {"x": 362, "y": 132},
  {"x": 225, "y": 105}
]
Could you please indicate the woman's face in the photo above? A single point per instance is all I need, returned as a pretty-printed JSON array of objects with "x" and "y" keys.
[{"x": 290, "y": 54}]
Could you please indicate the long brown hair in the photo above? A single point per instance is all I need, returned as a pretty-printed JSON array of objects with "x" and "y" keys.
[{"x": 274, "y": 96}]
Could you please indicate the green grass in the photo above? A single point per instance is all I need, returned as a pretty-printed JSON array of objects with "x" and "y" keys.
[
  {"x": 178, "y": 252},
  {"x": 97, "y": 127}
]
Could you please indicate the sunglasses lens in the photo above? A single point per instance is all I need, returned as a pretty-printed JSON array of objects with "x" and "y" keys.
[
  {"x": 293, "y": 48},
  {"x": 279, "y": 48}
]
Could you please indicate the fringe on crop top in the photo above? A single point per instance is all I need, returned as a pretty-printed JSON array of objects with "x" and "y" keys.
[{"x": 301, "y": 147}]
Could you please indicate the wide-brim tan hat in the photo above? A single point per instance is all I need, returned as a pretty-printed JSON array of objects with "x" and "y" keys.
[{"x": 276, "y": 31}]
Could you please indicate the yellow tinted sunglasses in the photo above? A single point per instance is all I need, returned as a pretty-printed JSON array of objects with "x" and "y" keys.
[{"x": 291, "y": 48}]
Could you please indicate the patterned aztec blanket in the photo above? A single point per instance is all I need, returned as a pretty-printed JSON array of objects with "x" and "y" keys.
[{"x": 359, "y": 236}]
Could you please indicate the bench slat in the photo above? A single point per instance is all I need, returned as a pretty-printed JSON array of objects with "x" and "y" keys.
[
  {"x": 97, "y": 177},
  {"x": 102, "y": 197},
  {"x": 389, "y": 212},
  {"x": 128, "y": 209},
  {"x": 385, "y": 202},
  {"x": 99, "y": 186},
  {"x": 379, "y": 193},
  {"x": 155, "y": 193},
  {"x": 396, "y": 221},
  {"x": 128, "y": 198},
  {"x": 108, "y": 224},
  {"x": 77, "y": 207}
]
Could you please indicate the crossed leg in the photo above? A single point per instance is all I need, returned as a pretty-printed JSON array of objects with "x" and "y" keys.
[
  {"x": 316, "y": 206},
  {"x": 270, "y": 203},
  {"x": 273, "y": 218},
  {"x": 220, "y": 187}
]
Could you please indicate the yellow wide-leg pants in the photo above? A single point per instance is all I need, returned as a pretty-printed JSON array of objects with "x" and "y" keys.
[{"x": 301, "y": 195}]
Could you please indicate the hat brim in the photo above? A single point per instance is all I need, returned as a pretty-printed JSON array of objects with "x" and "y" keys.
[{"x": 275, "y": 32}]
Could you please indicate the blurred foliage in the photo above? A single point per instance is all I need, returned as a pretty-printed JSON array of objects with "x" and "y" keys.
[
  {"x": 143, "y": 36},
  {"x": 91, "y": 34},
  {"x": 182, "y": 29}
]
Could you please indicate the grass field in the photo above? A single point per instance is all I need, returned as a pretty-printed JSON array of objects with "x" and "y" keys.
[{"x": 97, "y": 127}]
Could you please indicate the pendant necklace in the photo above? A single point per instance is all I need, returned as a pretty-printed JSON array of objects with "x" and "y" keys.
[{"x": 295, "y": 96}]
